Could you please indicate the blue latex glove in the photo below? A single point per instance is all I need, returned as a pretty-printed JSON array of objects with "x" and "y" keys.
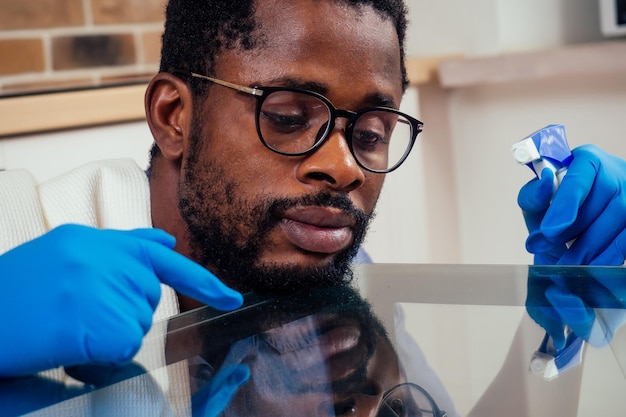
[
  {"x": 215, "y": 396},
  {"x": 534, "y": 199},
  {"x": 79, "y": 295},
  {"x": 19, "y": 396},
  {"x": 589, "y": 205},
  {"x": 120, "y": 391},
  {"x": 591, "y": 303}
]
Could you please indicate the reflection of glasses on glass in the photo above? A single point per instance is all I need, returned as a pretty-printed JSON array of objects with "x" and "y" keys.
[
  {"x": 408, "y": 400},
  {"x": 295, "y": 122}
]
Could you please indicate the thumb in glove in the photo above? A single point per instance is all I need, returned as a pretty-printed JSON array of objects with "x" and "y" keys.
[{"x": 215, "y": 396}]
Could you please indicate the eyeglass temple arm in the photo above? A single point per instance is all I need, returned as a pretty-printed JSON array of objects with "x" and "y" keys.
[{"x": 249, "y": 90}]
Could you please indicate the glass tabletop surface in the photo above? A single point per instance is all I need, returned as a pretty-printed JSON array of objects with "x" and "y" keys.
[{"x": 401, "y": 340}]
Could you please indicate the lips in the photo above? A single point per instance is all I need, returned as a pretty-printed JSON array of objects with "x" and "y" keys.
[{"x": 318, "y": 229}]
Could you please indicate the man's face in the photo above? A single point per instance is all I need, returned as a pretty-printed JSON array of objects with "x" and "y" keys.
[
  {"x": 324, "y": 364},
  {"x": 264, "y": 221}
]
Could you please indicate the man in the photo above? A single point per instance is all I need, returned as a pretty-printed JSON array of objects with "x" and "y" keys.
[
  {"x": 270, "y": 192},
  {"x": 258, "y": 219},
  {"x": 269, "y": 119}
]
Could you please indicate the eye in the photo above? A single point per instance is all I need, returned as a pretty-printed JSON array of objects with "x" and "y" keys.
[
  {"x": 404, "y": 401},
  {"x": 370, "y": 131},
  {"x": 286, "y": 111},
  {"x": 367, "y": 140},
  {"x": 397, "y": 405},
  {"x": 284, "y": 120}
]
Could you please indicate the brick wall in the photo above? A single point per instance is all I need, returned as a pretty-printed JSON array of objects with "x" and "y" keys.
[{"x": 59, "y": 44}]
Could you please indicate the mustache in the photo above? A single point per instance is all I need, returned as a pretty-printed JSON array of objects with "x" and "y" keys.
[{"x": 277, "y": 207}]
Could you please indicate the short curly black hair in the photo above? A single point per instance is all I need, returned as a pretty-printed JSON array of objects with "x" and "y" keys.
[{"x": 197, "y": 30}]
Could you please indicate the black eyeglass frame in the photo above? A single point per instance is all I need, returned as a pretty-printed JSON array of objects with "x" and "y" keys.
[
  {"x": 261, "y": 93},
  {"x": 436, "y": 411}
]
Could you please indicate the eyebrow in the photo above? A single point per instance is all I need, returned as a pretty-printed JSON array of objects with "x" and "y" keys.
[{"x": 372, "y": 100}]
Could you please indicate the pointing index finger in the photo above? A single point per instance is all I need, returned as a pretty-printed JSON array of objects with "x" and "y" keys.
[{"x": 191, "y": 279}]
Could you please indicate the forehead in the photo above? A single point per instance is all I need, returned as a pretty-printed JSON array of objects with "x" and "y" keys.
[{"x": 329, "y": 42}]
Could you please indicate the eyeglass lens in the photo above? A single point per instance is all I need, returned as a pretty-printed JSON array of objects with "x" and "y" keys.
[{"x": 294, "y": 122}]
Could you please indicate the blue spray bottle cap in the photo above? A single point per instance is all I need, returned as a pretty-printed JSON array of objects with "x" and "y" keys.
[{"x": 545, "y": 146}]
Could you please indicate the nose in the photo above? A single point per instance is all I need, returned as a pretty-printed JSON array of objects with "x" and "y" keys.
[{"x": 332, "y": 165}]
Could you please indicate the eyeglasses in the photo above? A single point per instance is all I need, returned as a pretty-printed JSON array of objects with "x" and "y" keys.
[
  {"x": 408, "y": 400},
  {"x": 296, "y": 122}
]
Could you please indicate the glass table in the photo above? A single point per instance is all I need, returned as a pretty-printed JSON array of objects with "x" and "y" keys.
[{"x": 403, "y": 340}]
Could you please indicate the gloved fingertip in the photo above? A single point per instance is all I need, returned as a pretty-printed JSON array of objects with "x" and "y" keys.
[
  {"x": 230, "y": 300},
  {"x": 239, "y": 374},
  {"x": 558, "y": 339},
  {"x": 535, "y": 196},
  {"x": 547, "y": 175},
  {"x": 573, "y": 311},
  {"x": 236, "y": 376},
  {"x": 537, "y": 242},
  {"x": 155, "y": 235},
  {"x": 548, "y": 318},
  {"x": 561, "y": 298},
  {"x": 213, "y": 398}
]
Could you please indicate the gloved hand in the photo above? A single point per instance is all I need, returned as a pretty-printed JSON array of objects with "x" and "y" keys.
[
  {"x": 591, "y": 303},
  {"x": 79, "y": 295},
  {"x": 215, "y": 396},
  {"x": 589, "y": 206}
]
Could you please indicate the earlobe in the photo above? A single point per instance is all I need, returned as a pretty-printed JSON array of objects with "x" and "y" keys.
[{"x": 168, "y": 108}]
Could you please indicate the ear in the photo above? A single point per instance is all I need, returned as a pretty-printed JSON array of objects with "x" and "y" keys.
[{"x": 168, "y": 104}]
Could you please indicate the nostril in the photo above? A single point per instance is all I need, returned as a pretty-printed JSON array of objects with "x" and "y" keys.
[
  {"x": 321, "y": 176},
  {"x": 332, "y": 182}
]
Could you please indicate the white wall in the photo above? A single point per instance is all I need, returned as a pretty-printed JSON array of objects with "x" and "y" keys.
[
  {"x": 50, "y": 154},
  {"x": 469, "y": 131},
  {"x": 399, "y": 232},
  {"x": 487, "y": 120},
  {"x": 485, "y": 27}
]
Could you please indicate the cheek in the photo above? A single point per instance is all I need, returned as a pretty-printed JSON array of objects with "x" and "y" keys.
[
  {"x": 233, "y": 142},
  {"x": 370, "y": 191},
  {"x": 229, "y": 126},
  {"x": 262, "y": 173}
]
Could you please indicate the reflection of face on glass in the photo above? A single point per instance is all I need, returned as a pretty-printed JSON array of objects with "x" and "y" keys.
[{"x": 330, "y": 363}]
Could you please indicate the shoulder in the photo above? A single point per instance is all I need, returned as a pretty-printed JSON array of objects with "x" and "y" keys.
[{"x": 106, "y": 194}]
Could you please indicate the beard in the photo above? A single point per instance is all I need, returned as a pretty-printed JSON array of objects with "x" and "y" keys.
[{"x": 228, "y": 233}]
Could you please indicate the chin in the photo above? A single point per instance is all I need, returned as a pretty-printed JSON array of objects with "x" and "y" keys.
[{"x": 295, "y": 272}]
